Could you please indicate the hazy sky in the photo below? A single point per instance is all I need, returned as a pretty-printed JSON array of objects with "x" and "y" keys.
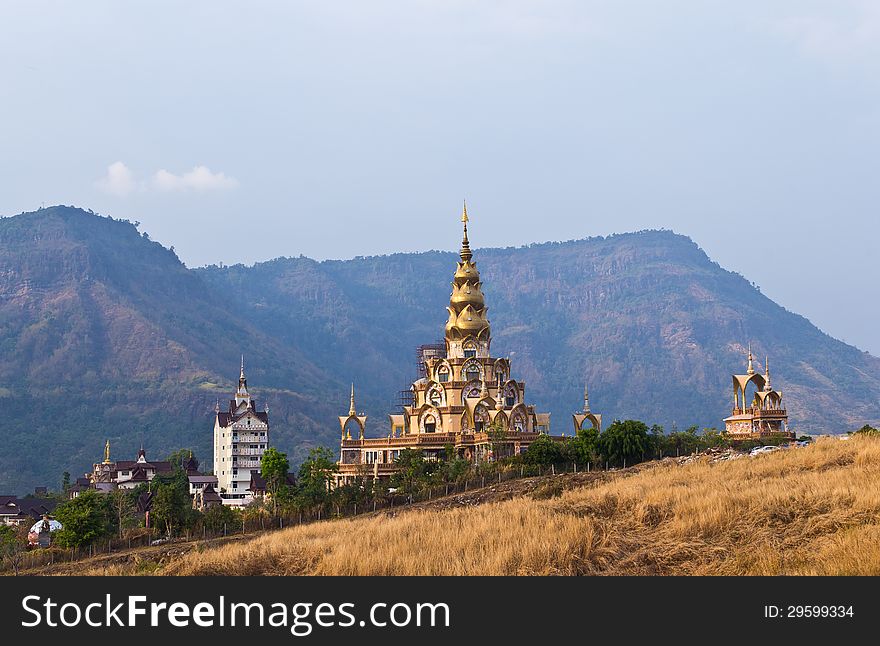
[{"x": 242, "y": 131}]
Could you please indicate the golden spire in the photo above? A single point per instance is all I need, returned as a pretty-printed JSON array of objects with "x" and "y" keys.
[
  {"x": 107, "y": 452},
  {"x": 466, "y": 254},
  {"x": 351, "y": 410},
  {"x": 751, "y": 369},
  {"x": 467, "y": 309}
]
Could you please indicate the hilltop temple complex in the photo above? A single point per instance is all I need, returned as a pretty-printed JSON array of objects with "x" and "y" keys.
[
  {"x": 766, "y": 416},
  {"x": 465, "y": 398}
]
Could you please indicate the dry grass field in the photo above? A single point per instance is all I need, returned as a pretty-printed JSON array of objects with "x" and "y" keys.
[{"x": 813, "y": 510}]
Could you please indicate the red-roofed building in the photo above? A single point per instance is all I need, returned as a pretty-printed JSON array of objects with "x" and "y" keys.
[{"x": 126, "y": 474}]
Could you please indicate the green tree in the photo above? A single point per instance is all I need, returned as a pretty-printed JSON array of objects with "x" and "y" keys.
[
  {"x": 658, "y": 440},
  {"x": 171, "y": 507},
  {"x": 624, "y": 442},
  {"x": 682, "y": 442},
  {"x": 65, "y": 482},
  {"x": 85, "y": 519},
  {"x": 867, "y": 429},
  {"x": 711, "y": 438},
  {"x": 543, "y": 451},
  {"x": 583, "y": 447},
  {"x": 316, "y": 477},
  {"x": 497, "y": 441},
  {"x": 218, "y": 517},
  {"x": 274, "y": 467},
  {"x": 356, "y": 492},
  {"x": 180, "y": 457},
  {"x": 413, "y": 471}
]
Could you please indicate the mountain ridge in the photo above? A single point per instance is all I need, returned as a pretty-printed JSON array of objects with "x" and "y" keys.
[{"x": 107, "y": 333}]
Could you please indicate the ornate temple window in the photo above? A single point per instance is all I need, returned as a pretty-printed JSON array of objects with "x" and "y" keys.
[
  {"x": 435, "y": 397},
  {"x": 472, "y": 371},
  {"x": 510, "y": 395},
  {"x": 429, "y": 422},
  {"x": 470, "y": 349},
  {"x": 481, "y": 419},
  {"x": 500, "y": 370},
  {"x": 519, "y": 423},
  {"x": 472, "y": 390},
  {"x": 443, "y": 374}
]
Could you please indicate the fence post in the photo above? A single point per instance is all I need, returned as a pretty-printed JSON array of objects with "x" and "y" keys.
[{"x": 553, "y": 469}]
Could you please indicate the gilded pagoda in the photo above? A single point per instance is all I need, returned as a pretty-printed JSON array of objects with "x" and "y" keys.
[
  {"x": 765, "y": 415},
  {"x": 466, "y": 399}
]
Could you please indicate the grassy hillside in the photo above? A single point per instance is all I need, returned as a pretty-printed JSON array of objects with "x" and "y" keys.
[{"x": 814, "y": 510}]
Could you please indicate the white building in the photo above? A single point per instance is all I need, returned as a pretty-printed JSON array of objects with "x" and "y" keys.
[{"x": 241, "y": 436}]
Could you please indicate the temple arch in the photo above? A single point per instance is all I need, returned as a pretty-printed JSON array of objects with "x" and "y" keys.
[
  {"x": 481, "y": 418},
  {"x": 471, "y": 370},
  {"x": 430, "y": 421}
]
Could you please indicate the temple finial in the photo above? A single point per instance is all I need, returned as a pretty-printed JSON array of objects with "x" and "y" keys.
[
  {"x": 499, "y": 405},
  {"x": 586, "y": 399},
  {"x": 107, "y": 452},
  {"x": 351, "y": 410},
  {"x": 242, "y": 367},
  {"x": 466, "y": 254},
  {"x": 766, "y": 373},
  {"x": 751, "y": 369}
]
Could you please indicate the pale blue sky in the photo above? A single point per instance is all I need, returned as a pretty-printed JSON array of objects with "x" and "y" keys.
[{"x": 242, "y": 131}]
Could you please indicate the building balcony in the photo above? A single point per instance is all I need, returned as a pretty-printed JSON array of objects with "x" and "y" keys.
[
  {"x": 435, "y": 440},
  {"x": 238, "y": 451},
  {"x": 247, "y": 437},
  {"x": 761, "y": 412}
]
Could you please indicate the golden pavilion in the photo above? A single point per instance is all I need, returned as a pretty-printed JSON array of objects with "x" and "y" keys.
[{"x": 765, "y": 415}]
